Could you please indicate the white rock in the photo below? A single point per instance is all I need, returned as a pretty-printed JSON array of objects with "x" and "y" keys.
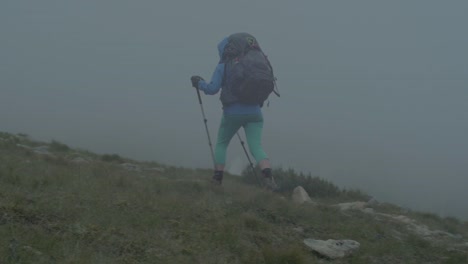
[
  {"x": 157, "y": 169},
  {"x": 79, "y": 160},
  {"x": 300, "y": 196},
  {"x": 42, "y": 150},
  {"x": 333, "y": 249},
  {"x": 299, "y": 229},
  {"x": 368, "y": 211},
  {"x": 352, "y": 206},
  {"x": 372, "y": 201},
  {"x": 404, "y": 219},
  {"x": 130, "y": 167},
  {"x": 23, "y": 146}
]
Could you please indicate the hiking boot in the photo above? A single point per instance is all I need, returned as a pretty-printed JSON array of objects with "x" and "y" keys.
[
  {"x": 268, "y": 180},
  {"x": 217, "y": 178},
  {"x": 270, "y": 183}
]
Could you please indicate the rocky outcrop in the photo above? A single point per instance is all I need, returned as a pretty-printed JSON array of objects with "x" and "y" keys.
[{"x": 411, "y": 224}]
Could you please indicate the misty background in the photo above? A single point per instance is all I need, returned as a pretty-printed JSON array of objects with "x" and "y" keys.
[{"x": 374, "y": 94}]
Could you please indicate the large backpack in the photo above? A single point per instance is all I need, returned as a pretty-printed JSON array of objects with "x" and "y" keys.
[{"x": 248, "y": 72}]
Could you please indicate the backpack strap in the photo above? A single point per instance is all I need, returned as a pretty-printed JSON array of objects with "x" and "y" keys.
[{"x": 274, "y": 77}]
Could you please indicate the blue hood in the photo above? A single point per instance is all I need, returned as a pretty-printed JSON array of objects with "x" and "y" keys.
[{"x": 221, "y": 47}]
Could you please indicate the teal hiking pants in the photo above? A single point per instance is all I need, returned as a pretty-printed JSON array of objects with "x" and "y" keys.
[{"x": 230, "y": 124}]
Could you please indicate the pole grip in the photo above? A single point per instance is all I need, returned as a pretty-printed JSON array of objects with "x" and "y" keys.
[{"x": 199, "y": 97}]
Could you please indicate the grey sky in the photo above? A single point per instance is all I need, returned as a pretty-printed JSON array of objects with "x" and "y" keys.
[{"x": 374, "y": 95}]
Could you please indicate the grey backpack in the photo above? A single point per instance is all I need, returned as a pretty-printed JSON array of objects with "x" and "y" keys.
[{"x": 248, "y": 72}]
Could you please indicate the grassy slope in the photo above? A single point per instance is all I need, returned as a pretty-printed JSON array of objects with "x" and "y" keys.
[{"x": 55, "y": 211}]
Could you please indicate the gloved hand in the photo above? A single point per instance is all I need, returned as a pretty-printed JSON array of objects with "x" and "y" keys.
[{"x": 195, "y": 79}]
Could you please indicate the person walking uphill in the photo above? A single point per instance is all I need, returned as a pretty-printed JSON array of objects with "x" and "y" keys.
[{"x": 245, "y": 78}]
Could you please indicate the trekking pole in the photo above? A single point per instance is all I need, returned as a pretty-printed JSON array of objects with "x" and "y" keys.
[
  {"x": 248, "y": 158},
  {"x": 206, "y": 127}
]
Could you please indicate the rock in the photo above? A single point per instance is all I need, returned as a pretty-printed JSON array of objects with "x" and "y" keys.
[
  {"x": 333, "y": 249},
  {"x": 300, "y": 196},
  {"x": 352, "y": 206},
  {"x": 79, "y": 229},
  {"x": 442, "y": 233},
  {"x": 299, "y": 229},
  {"x": 23, "y": 146},
  {"x": 369, "y": 211},
  {"x": 424, "y": 231},
  {"x": 79, "y": 160},
  {"x": 404, "y": 219},
  {"x": 130, "y": 167},
  {"x": 372, "y": 202},
  {"x": 157, "y": 169},
  {"x": 420, "y": 229},
  {"x": 42, "y": 150},
  {"x": 32, "y": 250}
]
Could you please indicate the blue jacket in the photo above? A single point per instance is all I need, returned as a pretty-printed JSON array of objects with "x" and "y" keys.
[{"x": 216, "y": 84}]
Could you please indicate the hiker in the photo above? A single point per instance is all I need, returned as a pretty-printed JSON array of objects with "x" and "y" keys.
[{"x": 239, "y": 110}]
